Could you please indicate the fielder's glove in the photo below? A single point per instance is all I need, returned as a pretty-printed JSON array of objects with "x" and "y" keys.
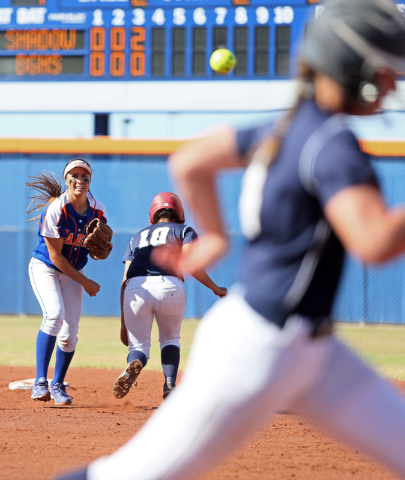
[{"x": 98, "y": 239}]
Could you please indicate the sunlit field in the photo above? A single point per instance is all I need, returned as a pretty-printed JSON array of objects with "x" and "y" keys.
[{"x": 99, "y": 344}]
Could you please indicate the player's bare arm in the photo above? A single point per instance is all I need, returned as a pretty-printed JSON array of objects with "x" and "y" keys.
[
  {"x": 201, "y": 275},
  {"x": 364, "y": 224},
  {"x": 194, "y": 169},
  {"x": 55, "y": 254}
]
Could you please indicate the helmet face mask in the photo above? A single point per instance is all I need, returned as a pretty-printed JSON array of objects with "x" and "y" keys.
[{"x": 164, "y": 201}]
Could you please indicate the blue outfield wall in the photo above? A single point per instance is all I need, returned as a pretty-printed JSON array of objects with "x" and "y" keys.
[
  {"x": 126, "y": 185},
  {"x": 376, "y": 294}
]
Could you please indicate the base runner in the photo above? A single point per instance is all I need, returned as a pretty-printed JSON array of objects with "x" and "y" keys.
[{"x": 150, "y": 290}]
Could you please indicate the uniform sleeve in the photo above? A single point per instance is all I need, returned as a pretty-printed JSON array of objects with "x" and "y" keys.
[
  {"x": 341, "y": 164},
  {"x": 129, "y": 252},
  {"x": 101, "y": 208},
  {"x": 52, "y": 226},
  {"x": 248, "y": 138},
  {"x": 189, "y": 235}
]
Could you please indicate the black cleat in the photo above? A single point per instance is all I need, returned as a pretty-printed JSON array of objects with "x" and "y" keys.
[{"x": 167, "y": 388}]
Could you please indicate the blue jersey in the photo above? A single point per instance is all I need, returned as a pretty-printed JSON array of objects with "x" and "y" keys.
[
  {"x": 60, "y": 220},
  {"x": 294, "y": 263},
  {"x": 140, "y": 247}
]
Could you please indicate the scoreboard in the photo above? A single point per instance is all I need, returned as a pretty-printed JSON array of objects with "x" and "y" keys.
[{"x": 98, "y": 40}]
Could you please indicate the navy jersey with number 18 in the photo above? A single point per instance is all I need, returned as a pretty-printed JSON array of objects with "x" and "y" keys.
[{"x": 140, "y": 247}]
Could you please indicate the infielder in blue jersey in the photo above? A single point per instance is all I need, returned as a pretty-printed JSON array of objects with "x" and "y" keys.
[
  {"x": 309, "y": 193},
  {"x": 56, "y": 271},
  {"x": 149, "y": 290}
]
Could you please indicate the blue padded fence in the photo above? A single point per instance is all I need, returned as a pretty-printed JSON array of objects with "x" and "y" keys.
[{"x": 126, "y": 185}]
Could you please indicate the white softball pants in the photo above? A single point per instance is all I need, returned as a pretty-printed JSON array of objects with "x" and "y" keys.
[
  {"x": 60, "y": 299},
  {"x": 159, "y": 296},
  {"x": 259, "y": 369}
]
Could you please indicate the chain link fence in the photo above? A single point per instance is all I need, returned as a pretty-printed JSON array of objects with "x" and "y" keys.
[{"x": 126, "y": 184}]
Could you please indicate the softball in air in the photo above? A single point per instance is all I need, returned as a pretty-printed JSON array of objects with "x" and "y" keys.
[{"x": 222, "y": 61}]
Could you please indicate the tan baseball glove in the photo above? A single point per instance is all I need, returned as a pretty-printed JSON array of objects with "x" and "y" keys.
[{"x": 98, "y": 239}]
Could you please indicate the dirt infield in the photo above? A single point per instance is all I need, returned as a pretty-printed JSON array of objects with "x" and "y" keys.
[{"x": 38, "y": 440}]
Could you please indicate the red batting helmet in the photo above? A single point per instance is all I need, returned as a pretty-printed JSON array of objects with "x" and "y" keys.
[{"x": 166, "y": 200}]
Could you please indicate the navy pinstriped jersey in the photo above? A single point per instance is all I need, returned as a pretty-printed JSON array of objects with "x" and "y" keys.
[
  {"x": 294, "y": 263},
  {"x": 60, "y": 220},
  {"x": 140, "y": 247}
]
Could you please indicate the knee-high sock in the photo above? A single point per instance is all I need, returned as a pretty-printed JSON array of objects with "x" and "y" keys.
[
  {"x": 137, "y": 355},
  {"x": 170, "y": 362},
  {"x": 62, "y": 363},
  {"x": 44, "y": 349}
]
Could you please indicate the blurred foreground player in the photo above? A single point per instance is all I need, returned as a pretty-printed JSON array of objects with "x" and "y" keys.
[
  {"x": 308, "y": 194},
  {"x": 149, "y": 290}
]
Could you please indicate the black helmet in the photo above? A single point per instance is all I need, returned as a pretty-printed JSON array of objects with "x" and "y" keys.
[{"x": 353, "y": 39}]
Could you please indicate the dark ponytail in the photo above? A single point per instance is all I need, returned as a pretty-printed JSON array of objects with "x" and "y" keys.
[
  {"x": 48, "y": 186},
  {"x": 266, "y": 152}
]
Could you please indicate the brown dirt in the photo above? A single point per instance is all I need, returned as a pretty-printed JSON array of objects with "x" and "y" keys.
[{"x": 38, "y": 440}]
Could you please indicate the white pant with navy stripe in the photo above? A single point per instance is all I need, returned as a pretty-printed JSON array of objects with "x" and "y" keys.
[
  {"x": 60, "y": 299},
  {"x": 257, "y": 369},
  {"x": 149, "y": 296}
]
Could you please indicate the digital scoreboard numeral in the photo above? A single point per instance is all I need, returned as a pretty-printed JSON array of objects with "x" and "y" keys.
[
  {"x": 117, "y": 36},
  {"x": 97, "y": 55},
  {"x": 137, "y": 59},
  {"x": 138, "y": 36},
  {"x": 97, "y": 39},
  {"x": 97, "y": 64},
  {"x": 117, "y": 56},
  {"x": 117, "y": 64}
]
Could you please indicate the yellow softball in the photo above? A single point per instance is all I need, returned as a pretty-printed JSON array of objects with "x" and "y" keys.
[{"x": 222, "y": 60}]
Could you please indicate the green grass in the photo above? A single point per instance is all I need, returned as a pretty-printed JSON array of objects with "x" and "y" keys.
[
  {"x": 99, "y": 344},
  {"x": 381, "y": 345}
]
